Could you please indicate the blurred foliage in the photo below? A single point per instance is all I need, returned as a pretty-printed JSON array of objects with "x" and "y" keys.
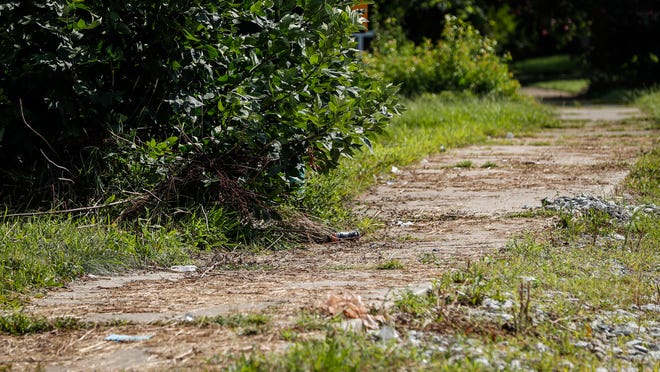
[
  {"x": 225, "y": 102},
  {"x": 462, "y": 60},
  {"x": 425, "y": 19},
  {"x": 617, "y": 39},
  {"x": 623, "y": 47}
]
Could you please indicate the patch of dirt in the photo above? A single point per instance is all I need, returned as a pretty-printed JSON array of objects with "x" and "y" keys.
[{"x": 436, "y": 217}]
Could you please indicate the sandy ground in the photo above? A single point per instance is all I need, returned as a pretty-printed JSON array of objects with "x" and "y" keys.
[{"x": 436, "y": 217}]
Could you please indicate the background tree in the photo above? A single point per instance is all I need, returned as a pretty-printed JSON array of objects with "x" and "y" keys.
[
  {"x": 623, "y": 47},
  {"x": 425, "y": 19},
  {"x": 617, "y": 39}
]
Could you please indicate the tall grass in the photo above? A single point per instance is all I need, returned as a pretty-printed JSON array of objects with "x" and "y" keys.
[
  {"x": 649, "y": 101},
  {"x": 48, "y": 252}
]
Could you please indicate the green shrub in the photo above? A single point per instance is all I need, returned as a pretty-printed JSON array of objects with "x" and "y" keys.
[
  {"x": 462, "y": 60},
  {"x": 223, "y": 101}
]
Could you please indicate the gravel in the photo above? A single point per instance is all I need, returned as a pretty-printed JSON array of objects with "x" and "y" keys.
[
  {"x": 585, "y": 203},
  {"x": 628, "y": 338},
  {"x": 624, "y": 337}
]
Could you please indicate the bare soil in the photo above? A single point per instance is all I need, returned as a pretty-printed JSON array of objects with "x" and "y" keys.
[{"x": 436, "y": 217}]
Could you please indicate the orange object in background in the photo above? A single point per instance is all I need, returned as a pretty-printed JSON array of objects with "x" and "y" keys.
[{"x": 364, "y": 9}]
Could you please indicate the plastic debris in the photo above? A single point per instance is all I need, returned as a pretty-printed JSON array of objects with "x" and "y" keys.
[
  {"x": 184, "y": 268},
  {"x": 386, "y": 334},
  {"x": 127, "y": 338},
  {"x": 352, "y": 307},
  {"x": 188, "y": 317},
  {"x": 395, "y": 170},
  {"x": 404, "y": 224},
  {"x": 345, "y": 235}
]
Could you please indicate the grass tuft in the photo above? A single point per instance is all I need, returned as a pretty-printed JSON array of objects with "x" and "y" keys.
[
  {"x": 47, "y": 252},
  {"x": 391, "y": 265},
  {"x": 649, "y": 101},
  {"x": 464, "y": 164},
  {"x": 19, "y": 323}
]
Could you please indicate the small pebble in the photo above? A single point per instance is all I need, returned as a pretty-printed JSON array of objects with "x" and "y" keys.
[
  {"x": 541, "y": 347},
  {"x": 483, "y": 361},
  {"x": 580, "y": 344},
  {"x": 651, "y": 307}
]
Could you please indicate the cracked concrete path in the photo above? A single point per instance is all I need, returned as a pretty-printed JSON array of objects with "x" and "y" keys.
[{"x": 436, "y": 216}]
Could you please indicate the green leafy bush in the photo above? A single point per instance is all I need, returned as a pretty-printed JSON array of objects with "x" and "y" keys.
[
  {"x": 227, "y": 102},
  {"x": 462, "y": 60}
]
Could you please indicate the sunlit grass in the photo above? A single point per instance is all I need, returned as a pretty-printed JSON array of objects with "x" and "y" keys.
[
  {"x": 585, "y": 270},
  {"x": 48, "y": 252},
  {"x": 431, "y": 124},
  {"x": 556, "y": 64},
  {"x": 566, "y": 85}
]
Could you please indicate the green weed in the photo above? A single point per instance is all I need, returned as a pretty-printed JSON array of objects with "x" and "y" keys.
[
  {"x": 244, "y": 324},
  {"x": 429, "y": 258},
  {"x": 644, "y": 177},
  {"x": 335, "y": 352},
  {"x": 311, "y": 321},
  {"x": 19, "y": 323},
  {"x": 390, "y": 265},
  {"x": 464, "y": 164},
  {"x": 409, "y": 303}
]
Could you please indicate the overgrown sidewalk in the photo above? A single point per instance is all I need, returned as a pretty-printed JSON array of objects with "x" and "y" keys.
[{"x": 441, "y": 216}]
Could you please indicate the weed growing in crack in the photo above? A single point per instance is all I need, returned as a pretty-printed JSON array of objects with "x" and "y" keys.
[
  {"x": 464, "y": 164},
  {"x": 412, "y": 304},
  {"x": 522, "y": 319},
  {"x": 597, "y": 223},
  {"x": 289, "y": 335},
  {"x": 19, "y": 323},
  {"x": 391, "y": 265},
  {"x": 429, "y": 258},
  {"x": 250, "y": 324}
]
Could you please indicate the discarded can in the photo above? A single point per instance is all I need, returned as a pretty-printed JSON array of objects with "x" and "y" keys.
[{"x": 344, "y": 235}]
